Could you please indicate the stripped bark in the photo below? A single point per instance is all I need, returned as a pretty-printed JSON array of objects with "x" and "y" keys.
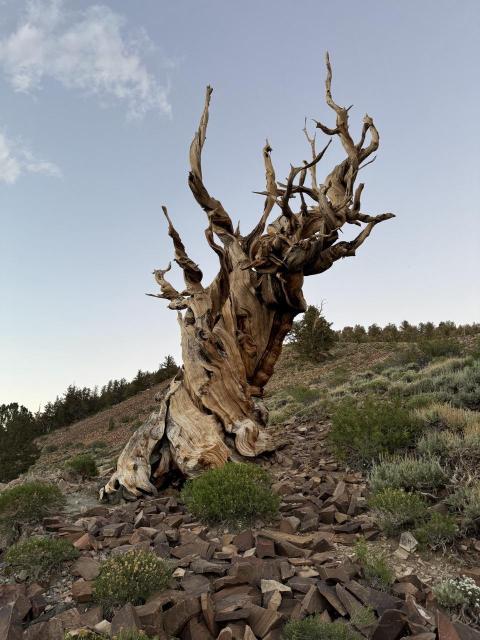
[{"x": 233, "y": 329}]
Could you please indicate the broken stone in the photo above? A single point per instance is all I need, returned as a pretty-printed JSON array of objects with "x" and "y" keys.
[
  {"x": 244, "y": 540},
  {"x": 10, "y": 625},
  {"x": 86, "y": 567},
  {"x": 126, "y": 619},
  {"x": 82, "y": 590},
  {"x": 177, "y": 616},
  {"x": 391, "y": 625},
  {"x": 274, "y": 585},
  {"x": 265, "y": 548},
  {"x": 408, "y": 542},
  {"x": 263, "y": 620}
]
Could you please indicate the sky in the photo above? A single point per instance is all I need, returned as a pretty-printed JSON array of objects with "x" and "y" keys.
[{"x": 98, "y": 105}]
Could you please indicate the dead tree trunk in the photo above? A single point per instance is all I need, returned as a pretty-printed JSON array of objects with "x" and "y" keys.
[{"x": 232, "y": 330}]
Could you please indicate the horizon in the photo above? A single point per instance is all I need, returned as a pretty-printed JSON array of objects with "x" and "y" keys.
[{"x": 99, "y": 105}]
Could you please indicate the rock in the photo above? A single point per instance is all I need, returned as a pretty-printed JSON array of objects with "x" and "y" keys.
[
  {"x": 86, "y": 567},
  {"x": 103, "y": 627},
  {"x": 244, "y": 540},
  {"x": 91, "y": 617},
  {"x": 408, "y": 542},
  {"x": 197, "y": 630},
  {"x": 445, "y": 629},
  {"x": 85, "y": 542},
  {"x": 208, "y": 613},
  {"x": 10, "y": 625},
  {"x": 177, "y": 616},
  {"x": 126, "y": 619},
  {"x": 313, "y": 602},
  {"x": 274, "y": 585},
  {"x": 265, "y": 548},
  {"x": 150, "y": 615},
  {"x": 204, "y": 566},
  {"x": 51, "y": 630},
  {"x": 331, "y": 597},
  {"x": 82, "y": 590},
  {"x": 401, "y": 553},
  {"x": 201, "y": 548},
  {"x": 289, "y": 524},
  {"x": 195, "y": 585},
  {"x": 391, "y": 626},
  {"x": 263, "y": 620},
  {"x": 377, "y": 600}
]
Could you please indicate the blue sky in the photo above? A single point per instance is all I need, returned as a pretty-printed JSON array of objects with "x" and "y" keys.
[{"x": 99, "y": 102}]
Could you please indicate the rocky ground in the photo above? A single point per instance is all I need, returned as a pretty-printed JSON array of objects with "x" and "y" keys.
[
  {"x": 239, "y": 585},
  {"x": 235, "y": 584}
]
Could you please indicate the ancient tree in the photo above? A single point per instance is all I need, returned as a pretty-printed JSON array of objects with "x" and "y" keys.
[{"x": 232, "y": 330}]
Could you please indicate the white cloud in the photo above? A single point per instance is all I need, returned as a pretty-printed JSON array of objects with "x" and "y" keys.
[
  {"x": 87, "y": 50},
  {"x": 16, "y": 159}
]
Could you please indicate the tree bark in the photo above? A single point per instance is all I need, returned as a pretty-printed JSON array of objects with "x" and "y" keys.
[{"x": 232, "y": 330}]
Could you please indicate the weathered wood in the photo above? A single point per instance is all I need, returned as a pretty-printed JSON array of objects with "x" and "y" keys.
[{"x": 233, "y": 329}]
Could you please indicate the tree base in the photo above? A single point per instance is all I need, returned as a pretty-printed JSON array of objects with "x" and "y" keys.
[{"x": 181, "y": 439}]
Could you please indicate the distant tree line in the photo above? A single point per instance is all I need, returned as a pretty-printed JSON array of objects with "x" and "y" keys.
[
  {"x": 79, "y": 403},
  {"x": 406, "y": 332},
  {"x": 19, "y": 426}
]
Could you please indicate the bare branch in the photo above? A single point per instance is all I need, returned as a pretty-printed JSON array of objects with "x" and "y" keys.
[
  {"x": 191, "y": 271},
  {"x": 218, "y": 217}
]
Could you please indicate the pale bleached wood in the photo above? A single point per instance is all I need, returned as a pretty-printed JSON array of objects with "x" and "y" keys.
[{"x": 232, "y": 330}]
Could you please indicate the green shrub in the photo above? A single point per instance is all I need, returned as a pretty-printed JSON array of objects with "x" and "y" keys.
[
  {"x": 315, "y": 629},
  {"x": 440, "y": 348},
  {"x": 39, "y": 557},
  {"x": 111, "y": 424},
  {"x": 130, "y": 577},
  {"x": 437, "y": 532},
  {"x": 84, "y": 464},
  {"x": 236, "y": 493},
  {"x": 303, "y": 395},
  {"x": 395, "y": 509},
  {"x": 28, "y": 503},
  {"x": 407, "y": 472},
  {"x": 362, "y": 432},
  {"x": 457, "y": 449},
  {"x": 466, "y": 501},
  {"x": 125, "y": 419},
  {"x": 446, "y": 416},
  {"x": 376, "y": 570},
  {"x": 459, "y": 593}
]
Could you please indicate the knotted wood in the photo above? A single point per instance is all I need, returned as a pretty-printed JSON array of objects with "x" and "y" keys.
[{"x": 232, "y": 330}]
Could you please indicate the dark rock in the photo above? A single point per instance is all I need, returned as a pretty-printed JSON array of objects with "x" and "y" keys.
[
  {"x": 391, "y": 625},
  {"x": 126, "y": 619},
  {"x": 263, "y": 620},
  {"x": 244, "y": 540},
  {"x": 177, "y": 616},
  {"x": 10, "y": 625},
  {"x": 265, "y": 548},
  {"x": 82, "y": 590},
  {"x": 85, "y": 567},
  {"x": 195, "y": 585}
]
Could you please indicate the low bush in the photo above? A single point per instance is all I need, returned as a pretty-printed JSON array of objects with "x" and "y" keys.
[
  {"x": 39, "y": 557},
  {"x": 440, "y": 348},
  {"x": 313, "y": 628},
  {"x": 438, "y": 531},
  {"x": 376, "y": 570},
  {"x": 459, "y": 450},
  {"x": 130, "y": 577},
  {"x": 466, "y": 502},
  {"x": 362, "y": 432},
  {"x": 407, "y": 472},
  {"x": 50, "y": 448},
  {"x": 84, "y": 464},
  {"x": 111, "y": 424},
  {"x": 303, "y": 395},
  {"x": 446, "y": 416},
  {"x": 28, "y": 503},
  {"x": 236, "y": 494},
  {"x": 459, "y": 593},
  {"x": 396, "y": 510}
]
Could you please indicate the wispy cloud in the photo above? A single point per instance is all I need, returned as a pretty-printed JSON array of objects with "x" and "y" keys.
[
  {"x": 17, "y": 159},
  {"x": 88, "y": 50}
]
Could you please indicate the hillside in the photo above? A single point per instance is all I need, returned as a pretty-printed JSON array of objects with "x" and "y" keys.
[{"x": 322, "y": 481}]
